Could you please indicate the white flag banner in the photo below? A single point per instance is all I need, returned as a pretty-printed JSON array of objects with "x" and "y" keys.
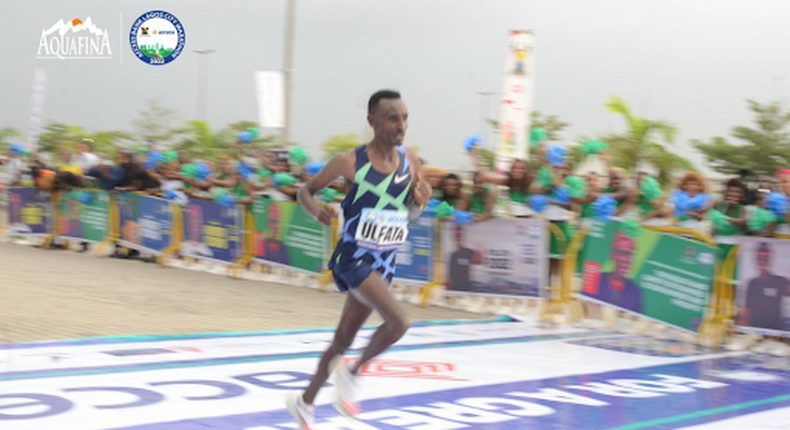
[
  {"x": 36, "y": 109},
  {"x": 517, "y": 100},
  {"x": 271, "y": 103}
]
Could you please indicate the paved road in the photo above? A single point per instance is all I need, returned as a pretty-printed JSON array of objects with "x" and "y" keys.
[{"x": 49, "y": 295}]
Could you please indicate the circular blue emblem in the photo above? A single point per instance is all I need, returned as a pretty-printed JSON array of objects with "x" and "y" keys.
[{"x": 157, "y": 37}]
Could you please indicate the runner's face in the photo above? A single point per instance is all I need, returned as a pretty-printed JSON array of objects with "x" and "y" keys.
[{"x": 390, "y": 121}]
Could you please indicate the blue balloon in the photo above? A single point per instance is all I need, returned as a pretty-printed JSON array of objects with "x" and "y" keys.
[
  {"x": 314, "y": 168},
  {"x": 154, "y": 158},
  {"x": 604, "y": 207},
  {"x": 562, "y": 195},
  {"x": 17, "y": 148},
  {"x": 471, "y": 141},
  {"x": 227, "y": 201},
  {"x": 244, "y": 137},
  {"x": 84, "y": 197},
  {"x": 681, "y": 201},
  {"x": 464, "y": 217},
  {"x": 430, "y": 207},
  {"x": 170, "y": 194},
  {"x": 538, "y": 202},
  {"x": 777, "y": 203},
  {"x": 244, "y": 170},
  {"x": 203, "y": 172},
  {"x": 556, "y": 155},
  {"x": 698, "y": 202}
]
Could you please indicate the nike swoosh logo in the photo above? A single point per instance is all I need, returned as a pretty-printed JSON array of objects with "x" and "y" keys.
[{"x": 399, "y": 179}]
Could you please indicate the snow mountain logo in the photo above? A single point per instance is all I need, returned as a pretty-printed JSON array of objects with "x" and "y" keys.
[{"x": 75, "y": 40}]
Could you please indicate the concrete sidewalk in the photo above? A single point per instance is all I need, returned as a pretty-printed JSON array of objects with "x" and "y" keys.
[{"x": 48, "y": 295}]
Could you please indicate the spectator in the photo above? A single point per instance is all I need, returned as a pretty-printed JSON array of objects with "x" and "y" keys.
[
  {"x": 783, "y": 178},
  {"x": 651, "y": 212},
  {"x": 85, "y": 158},
  {"x": 131, "y": 172},
  {"x": 109, "y": 175},
  {"x": 694, "y": 185},
  {"x": 586, "y": 212},
  {"x": 764, "y": 187},
  {"x": 481, "y": 200},
  {"x": 749, "y": 181},
  {"x": 14, "y": 167},
  {"x": 451, "y": 191},
  {"x": 618, "y": 188}
]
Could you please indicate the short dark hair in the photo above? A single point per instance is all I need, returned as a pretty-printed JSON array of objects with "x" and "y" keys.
[
  {"x": 373, "y": 103},
  {"x": 736, "y": 183}
]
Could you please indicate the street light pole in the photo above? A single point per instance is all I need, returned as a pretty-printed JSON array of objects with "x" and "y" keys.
[
  {"x": 483, "y": 105},
  {"x": 290, "y": 27},
  {"x": 202, "y": 105}
]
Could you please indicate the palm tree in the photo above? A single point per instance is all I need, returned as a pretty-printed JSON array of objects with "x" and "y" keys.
[
  {"x": 58, "y": 137},
  {"x": 643, "y": 141},
  {"x": 200, "y": 141}
]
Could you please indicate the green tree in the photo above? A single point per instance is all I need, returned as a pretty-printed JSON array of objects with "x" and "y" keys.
[
  {"x": 200, "y": 141},
  {"x": 339, "y": 144},
  {"x": 7, "y": 134},
  {"x": 58, "y": 137},
  {"x": 643, "y": 141},
  {"x": 263, "y": 142},
  {"x": 156, "y": 124},
  {"x": 552, "y": 124},
  {"x": 763, "y": 149}
]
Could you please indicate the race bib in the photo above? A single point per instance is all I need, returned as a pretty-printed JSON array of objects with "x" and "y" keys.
[{"x": 382, "y": 230}]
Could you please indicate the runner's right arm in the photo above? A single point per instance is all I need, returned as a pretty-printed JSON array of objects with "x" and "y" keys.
[{"x": 340, "y": 166}]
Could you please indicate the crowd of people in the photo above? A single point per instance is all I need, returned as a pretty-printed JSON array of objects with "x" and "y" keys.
[{"x": 542, "y": 187}]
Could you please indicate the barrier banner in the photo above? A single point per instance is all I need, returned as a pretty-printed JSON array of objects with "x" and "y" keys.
[
  {"x": 285, "y": 234},
  {"x": 84, "y": 215},
  {"x": 763, "y": 293},
  {"x": 659, "y": 276},
  {"x": 146, "y": 222},
  {"x": 211, "y": 232},
  {"x": 29, "y": 212},
  {"x": 499, "y": 256},
  {"x": 414, "y": 261}
]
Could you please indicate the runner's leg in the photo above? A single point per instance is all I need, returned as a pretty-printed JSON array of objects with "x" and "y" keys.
[
  {"x": 374, "y": 292},
  {"x": 351, "y": 319}
]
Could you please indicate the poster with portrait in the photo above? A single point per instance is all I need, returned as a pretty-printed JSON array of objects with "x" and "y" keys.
[
  {"x": 503, "y": 257},
  {"x": 211, "y": 231},
  {"x": 763, "y": 293},
  {"x": 660, "y": 276}
]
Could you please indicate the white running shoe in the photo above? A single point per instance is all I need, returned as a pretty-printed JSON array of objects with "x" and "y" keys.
[
  {"x": 346, "y": 385},
  {"x": 301, "y": 411}
]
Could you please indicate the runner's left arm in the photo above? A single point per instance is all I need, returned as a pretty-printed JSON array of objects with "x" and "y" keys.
[
  {"x": 340, "y": 166},
  {"x": 421, "y": 190}
]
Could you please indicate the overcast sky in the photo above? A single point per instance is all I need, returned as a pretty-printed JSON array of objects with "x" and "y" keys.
[{"x": 692, "y": 63}]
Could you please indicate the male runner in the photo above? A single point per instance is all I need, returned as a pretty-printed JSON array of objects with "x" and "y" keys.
[{"x": 387, "y": 191}]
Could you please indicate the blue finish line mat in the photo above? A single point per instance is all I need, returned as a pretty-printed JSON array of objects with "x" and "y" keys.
[{"x": 493, "y": 374}]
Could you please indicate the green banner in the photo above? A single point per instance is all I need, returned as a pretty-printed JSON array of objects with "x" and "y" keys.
[
  {"x": 660, "y": 276},
  {"x": 285, "y": 234},
  {"x": 84, "y": 215}
]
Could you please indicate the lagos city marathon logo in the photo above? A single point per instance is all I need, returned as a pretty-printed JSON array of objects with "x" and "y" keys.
[
  {"x": 74, "y": 40},
  {"x": 157, "y": 37}
]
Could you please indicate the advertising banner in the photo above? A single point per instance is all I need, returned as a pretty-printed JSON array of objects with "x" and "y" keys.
[
  {"x": 498, "y": 256},
  {"x": 517, "y": 99},
  {"x": 211, "y": 231},
  {"x": 763, "y": 293},
  {"x": 285, "y": 235},
  {"x": 29, "y": 212},
  {"x": 414, "y": 261},
  {"x": 146, "y": 222},
  {"x": 84, "y": 215},
  {"x": 659, "y": 276}
]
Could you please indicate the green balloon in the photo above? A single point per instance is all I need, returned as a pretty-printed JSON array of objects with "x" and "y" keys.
[
  {"x": 650, "y": 189},
  {"x": 254, "y": 132},
  {"x": 298, "y": 154},
  {"x": 631, "y": 227},
  {"x": 444, "y": 210},
  {"x": 536, "y": 136}
]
